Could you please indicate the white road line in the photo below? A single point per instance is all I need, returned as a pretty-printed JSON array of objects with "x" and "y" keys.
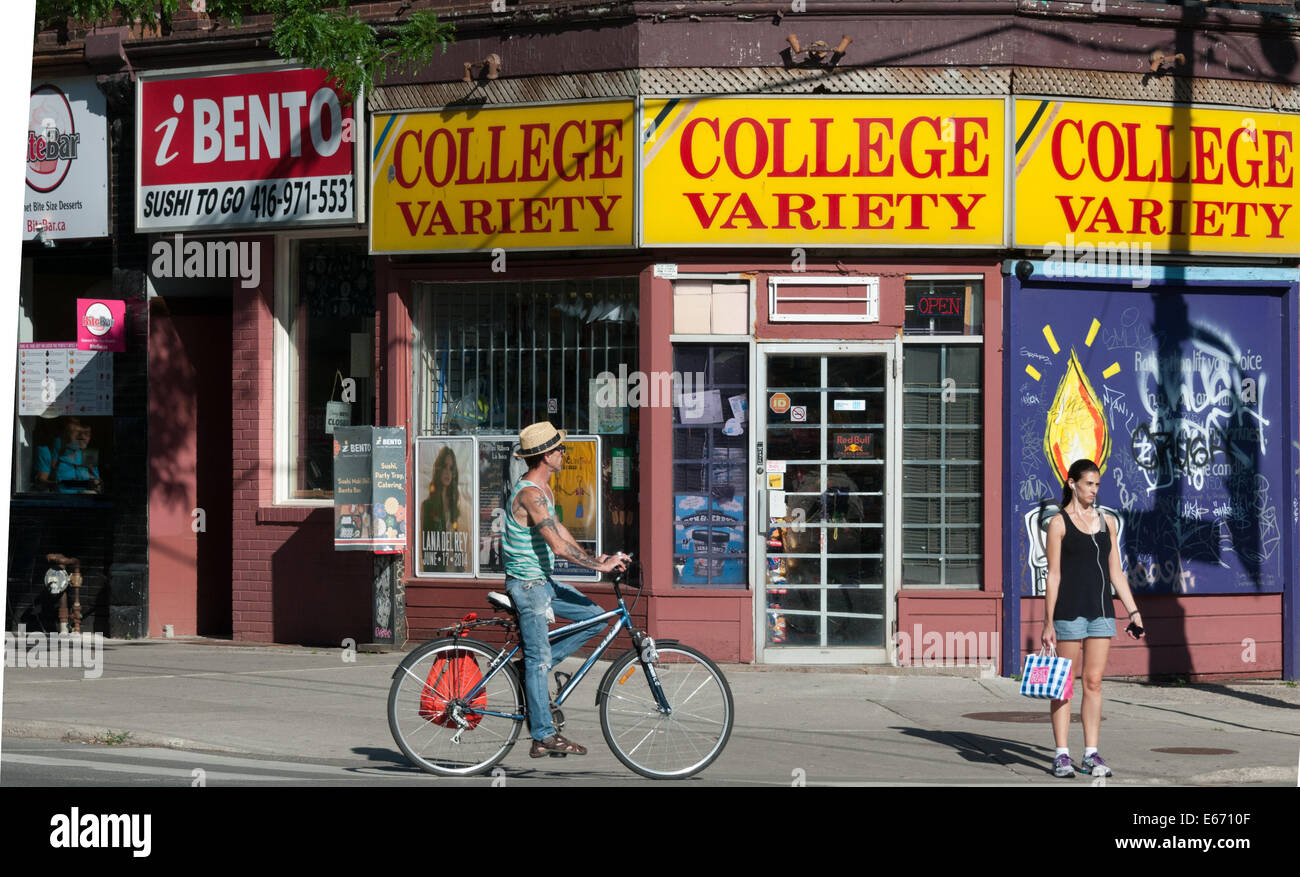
[
  {"x": 144, "y": 769},
  {"x": 193, "y": 760},
  {"x": 11, "y": 681}
]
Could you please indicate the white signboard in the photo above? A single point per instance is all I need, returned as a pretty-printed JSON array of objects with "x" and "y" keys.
[{"x": 67, "y": 161}]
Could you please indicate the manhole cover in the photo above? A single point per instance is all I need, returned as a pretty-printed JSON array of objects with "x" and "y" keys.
[
  {"x": 1195, "y": 750},
  {"x": 1021, "y": 717}
]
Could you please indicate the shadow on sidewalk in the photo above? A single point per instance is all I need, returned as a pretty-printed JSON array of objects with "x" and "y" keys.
[
  {"x": 386, "y": 756},
  {"x": 985, "y": 750},
  {"x": 1212, "y": 719},
  {"x": 1249, "y": 696}
]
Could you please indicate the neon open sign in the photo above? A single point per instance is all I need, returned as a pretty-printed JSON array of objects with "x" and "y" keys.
[{"x": 940, "y": 305}]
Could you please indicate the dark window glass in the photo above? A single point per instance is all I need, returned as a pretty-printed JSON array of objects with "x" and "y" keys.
[{"x": 711, "y": 468}]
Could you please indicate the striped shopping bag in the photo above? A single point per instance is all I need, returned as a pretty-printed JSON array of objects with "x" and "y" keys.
[{"x": 1047, "y": 675}]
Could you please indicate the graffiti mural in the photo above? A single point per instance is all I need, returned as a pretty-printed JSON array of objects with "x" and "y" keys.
[{"x": 1176, "y": 394}]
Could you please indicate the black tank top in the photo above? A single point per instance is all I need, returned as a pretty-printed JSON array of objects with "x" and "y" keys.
[{"x": 1085, "y": 583}]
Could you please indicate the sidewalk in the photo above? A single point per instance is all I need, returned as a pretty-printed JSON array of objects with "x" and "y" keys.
[{"x": 839, "y": 726}]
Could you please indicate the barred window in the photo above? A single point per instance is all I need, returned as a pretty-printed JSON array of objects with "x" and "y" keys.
[
  {"x": 491, "y": 358},
  {"x": 943, "y": 446}
]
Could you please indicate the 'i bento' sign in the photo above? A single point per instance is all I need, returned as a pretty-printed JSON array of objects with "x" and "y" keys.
[{"x": 244, "y": 149}]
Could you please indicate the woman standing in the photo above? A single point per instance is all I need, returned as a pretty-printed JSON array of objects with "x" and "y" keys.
[{"x": 1082, "y": 565}]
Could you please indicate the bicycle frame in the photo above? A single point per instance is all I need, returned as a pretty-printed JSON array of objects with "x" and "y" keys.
[{"x": 624, "y": 622}]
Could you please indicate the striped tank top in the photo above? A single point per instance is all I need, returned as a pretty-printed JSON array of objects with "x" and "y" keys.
[{"x": 527, "y": 554}]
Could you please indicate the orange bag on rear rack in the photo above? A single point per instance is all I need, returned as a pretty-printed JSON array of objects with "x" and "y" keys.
[{"x": 451, "y": 677}]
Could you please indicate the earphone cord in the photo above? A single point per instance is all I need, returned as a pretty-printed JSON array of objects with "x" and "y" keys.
[{"x": 1099, "y": 566}]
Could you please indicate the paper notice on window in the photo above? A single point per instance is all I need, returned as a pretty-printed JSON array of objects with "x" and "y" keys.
[
  {"x": 701, "y": 408},
  {"x": 618, "y": 469},
  {"x": 739, "y": 406}
]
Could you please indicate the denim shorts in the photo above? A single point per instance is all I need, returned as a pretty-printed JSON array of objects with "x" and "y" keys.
[{"x": 1079, "y": 628}]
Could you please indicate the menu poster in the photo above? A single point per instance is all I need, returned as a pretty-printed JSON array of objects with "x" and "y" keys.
[
  {"x": 388, "y": 475},
  {"x": 55, "y": 379},
  {"x": 352, "y": 489},
  {"x": 370, "y": 489},
  {"x": 444, "y": 467}
]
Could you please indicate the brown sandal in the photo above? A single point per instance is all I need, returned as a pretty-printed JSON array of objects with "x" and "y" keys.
[{"x": 556, "y": 746}]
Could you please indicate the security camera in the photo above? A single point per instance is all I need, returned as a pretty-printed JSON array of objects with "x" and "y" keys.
[{"x": 1024, "y": 270}]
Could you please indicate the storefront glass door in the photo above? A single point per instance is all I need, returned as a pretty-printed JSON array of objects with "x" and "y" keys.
[{"x": 826, "y": 419}]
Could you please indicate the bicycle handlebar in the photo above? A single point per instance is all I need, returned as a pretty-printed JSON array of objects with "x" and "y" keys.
[{"x": 622, "y": 576}]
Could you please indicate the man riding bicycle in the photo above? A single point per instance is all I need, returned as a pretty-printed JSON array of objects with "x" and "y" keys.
[{"x": 532, "y": 539}]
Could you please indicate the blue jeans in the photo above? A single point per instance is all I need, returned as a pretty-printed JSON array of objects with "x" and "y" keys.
[{"x": 531, "y": 599}]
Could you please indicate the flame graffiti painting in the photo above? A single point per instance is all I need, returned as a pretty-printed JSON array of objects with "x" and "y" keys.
[
  {"x": 1076, "y": 422},
  {"x": 1076, "y": 425}
]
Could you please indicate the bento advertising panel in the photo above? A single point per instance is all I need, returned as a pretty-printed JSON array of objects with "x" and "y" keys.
[
  {"x": 829, "y": 171},
  {"x": 1176, "y": 179},
  {"x": 246, "y": 149},
  {"x": 561, "y": 176}
]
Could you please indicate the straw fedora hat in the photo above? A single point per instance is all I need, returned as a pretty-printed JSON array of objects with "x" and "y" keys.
[{"x": 538, "y": 438}]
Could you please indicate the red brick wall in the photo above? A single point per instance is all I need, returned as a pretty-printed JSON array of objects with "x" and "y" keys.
[
  {"x": 288, "y": 584},
  {"x": 1203, "y": 637},
  {"x": 935, "y": 628}
]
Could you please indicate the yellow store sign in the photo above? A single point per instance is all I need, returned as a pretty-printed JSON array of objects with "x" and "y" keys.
[
  {"x": 560, "y": 176},
  {"x": 823, "y": 171},
  {"x": 1181, "y": 179}
]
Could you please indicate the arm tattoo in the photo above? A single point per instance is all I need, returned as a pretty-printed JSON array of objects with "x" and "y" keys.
[
  {"x": 571, "y": 551},
  {"x": 577, "y": 555}
]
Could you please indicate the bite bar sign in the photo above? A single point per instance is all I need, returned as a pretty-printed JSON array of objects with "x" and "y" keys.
[
  {"x": 272, "y": 148},
  {"x": 101, "y": 325},
  {"x": 67, "y": 162}
]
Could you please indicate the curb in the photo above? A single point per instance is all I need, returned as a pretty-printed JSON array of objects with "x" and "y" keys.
[{"x": 39, "y": 730}]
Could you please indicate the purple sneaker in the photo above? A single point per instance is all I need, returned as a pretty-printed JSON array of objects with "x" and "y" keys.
[
  {"x": 1094, "y": 765},
  {"x": 1063, "y": 767}
]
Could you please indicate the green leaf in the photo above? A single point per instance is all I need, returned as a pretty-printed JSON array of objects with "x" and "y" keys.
[{"x": 316, "y": 33}]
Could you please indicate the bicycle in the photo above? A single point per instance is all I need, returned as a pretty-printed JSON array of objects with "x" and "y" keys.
[{"x": 456, "y": 705}]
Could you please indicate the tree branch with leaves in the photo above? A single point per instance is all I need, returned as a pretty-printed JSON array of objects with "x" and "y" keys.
[{"x": 315, "y": 33}]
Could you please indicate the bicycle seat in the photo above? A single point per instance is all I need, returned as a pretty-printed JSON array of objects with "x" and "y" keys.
[{"x": 500, "y": 601}]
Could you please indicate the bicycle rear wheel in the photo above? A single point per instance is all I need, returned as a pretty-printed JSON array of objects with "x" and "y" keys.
[
  {"x": 671, "y": 745},
  {"x": 427, "y": 698}
]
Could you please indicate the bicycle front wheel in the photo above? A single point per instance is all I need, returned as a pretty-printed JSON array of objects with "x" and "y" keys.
[
  {"x": 437, "y": 718},
  {"x": 667, "y": 745}
]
